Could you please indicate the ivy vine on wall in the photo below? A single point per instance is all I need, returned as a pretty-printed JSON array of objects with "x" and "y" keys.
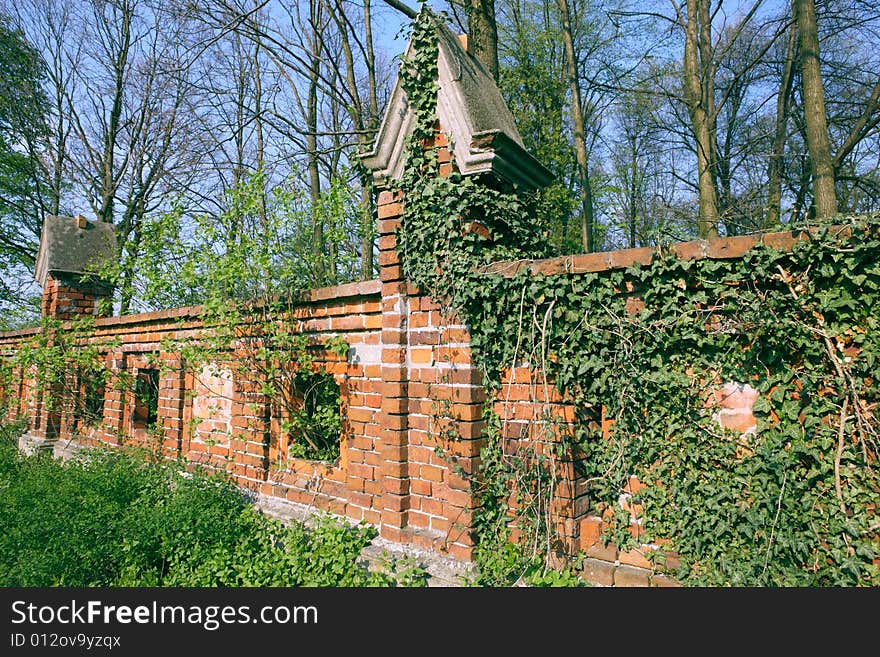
[{"x": 793, "y": 503}]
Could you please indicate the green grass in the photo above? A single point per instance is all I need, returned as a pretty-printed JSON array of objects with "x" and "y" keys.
[{"x": 113, "y": 518}]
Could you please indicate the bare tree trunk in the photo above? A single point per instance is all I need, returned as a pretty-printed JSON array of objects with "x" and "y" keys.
[
  {"x": 822, "y": 165},
  {"x": 774, "y": 173},
  {"x": 405, "y": 9},
  {"x": 633, "y": 198},
  {"x": 580, "y": 141},
  {"x": 242, "y": 75},
  {"x": 60, "y": 139},
  {"x": 132, "y": 249},
  {"x": 312, "y": 138},
  {"x": 799, "y": 210},
  {"x": 258, "y": 128},
  {"x": 723, "y": 158},
  {"x": 368, "y": 233},
  {"x": 363, "y": 120},
  {"x": 109, "y": 180},
  {"x": 699, "y": 95},
  {"x": 59, "y": 79},
  {"x": 869, "y": 120},
  {"x": 371, "y": 66},
  {"x": 483, "y": 34}
]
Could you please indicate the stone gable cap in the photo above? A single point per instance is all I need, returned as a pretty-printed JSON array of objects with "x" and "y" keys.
[
  {"x": 481, "y": 130},
  {"x": 73, "y": 245}
]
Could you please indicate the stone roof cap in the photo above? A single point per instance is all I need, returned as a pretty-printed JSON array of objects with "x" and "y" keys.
[
  {"x": 73, "y": 245},
  {"x": 481, "y": 130}
]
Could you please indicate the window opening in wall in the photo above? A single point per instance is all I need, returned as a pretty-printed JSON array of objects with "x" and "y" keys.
[
  {"x": 307, "y": 417},
  {"x": 90, "y": 406},
  {"x": 146, "y": 399}
]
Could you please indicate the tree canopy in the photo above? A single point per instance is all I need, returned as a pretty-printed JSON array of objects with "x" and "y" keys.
[
  {"x": 661, "y": 120},
  {"x": 23, "y": 115}
]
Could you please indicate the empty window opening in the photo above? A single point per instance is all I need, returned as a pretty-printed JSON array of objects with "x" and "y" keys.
[
  {"x": 90, "y": 405},
  {"x": 146, "y": 399},
  {"x": 307, "y": 417}
]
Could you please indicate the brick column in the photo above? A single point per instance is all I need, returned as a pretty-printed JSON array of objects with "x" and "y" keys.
[
  {"x": 249, "y": 443},
  {"x": 46, "y": 414},
  {"x": 394, "y": 439},
  {"x": 114, "y": 398},
  {"x": 66, "y": 296},
  {"x": 171, "y": 393},
  {"x": 68, "y": 405},
  {"x": 45, "y": 423}
]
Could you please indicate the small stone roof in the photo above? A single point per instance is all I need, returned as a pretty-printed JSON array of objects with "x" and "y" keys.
[
  {"x": 73, "y": 245},
  {"x": 470, "y": 109}
]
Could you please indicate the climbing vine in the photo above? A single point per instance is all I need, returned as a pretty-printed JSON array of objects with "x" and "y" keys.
[
  {"x": 257, "y": 344},
  {"x": 451, "y": 224},
  {"x": 66, "y": 367},
  {"x": 638, "y": 352}
]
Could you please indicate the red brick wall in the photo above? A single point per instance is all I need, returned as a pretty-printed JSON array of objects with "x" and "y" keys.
[
  {"x": 411, "y": 397},
  {"x": 388, "y": 473},
  {"x": 412, "y": 402},
  {"x": 429, "y": 389}
]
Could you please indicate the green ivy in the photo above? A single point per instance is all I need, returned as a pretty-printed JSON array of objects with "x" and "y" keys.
[
  {"x": 451, "y": 224},
  {"x": 792, "y": 504}
]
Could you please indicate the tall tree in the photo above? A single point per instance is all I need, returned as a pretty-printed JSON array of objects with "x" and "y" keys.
[
  {"x": 363, "y": 110},
  {"x": 780, "y": 130},
  {"x": 561, "y": 64},
  {"x": 822, "y": 165},
  {"x": 585, "y": 189},
  {"x": 699, "y": 93},
  {"x": 483, "y": 34},
  {"x": 23, "y": 125}
]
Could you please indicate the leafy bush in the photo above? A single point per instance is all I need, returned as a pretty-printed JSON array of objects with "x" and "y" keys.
[
  {"x": 315, "y": 426},
  {"x": 114, "y": 519}
]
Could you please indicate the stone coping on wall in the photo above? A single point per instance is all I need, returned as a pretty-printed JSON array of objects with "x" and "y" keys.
[
  {"x": 721, "y": 248},
  {"x": 330, "y": 293},
  {"x": 20, "y": 333}
]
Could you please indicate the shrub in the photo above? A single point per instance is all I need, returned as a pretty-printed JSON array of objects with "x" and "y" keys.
[{"x": 110, "y": 518}]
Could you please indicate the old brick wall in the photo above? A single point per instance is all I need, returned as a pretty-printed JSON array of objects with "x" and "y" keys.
[
  {"x": 406, "y": 377},
  {"x": 534, "y": 414},
  {"x": 412, "y": 399}
]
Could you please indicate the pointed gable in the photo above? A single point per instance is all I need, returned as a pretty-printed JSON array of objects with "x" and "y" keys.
[
  {"x": 471, "y": 111},
  {"x": 72, "y": 245}
]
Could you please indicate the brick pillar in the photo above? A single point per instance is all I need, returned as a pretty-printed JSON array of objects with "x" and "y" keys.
[
  {"x": 249, "y": 444},
  {"x": 45, "y": 413},
  {"x": 67, "y": 407},
  {"x": 394, "y": 440},
  {"x": 171, "y": 393},
  {"x": 114, "y": 399},
  {"x": 67, "y": 295}
]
